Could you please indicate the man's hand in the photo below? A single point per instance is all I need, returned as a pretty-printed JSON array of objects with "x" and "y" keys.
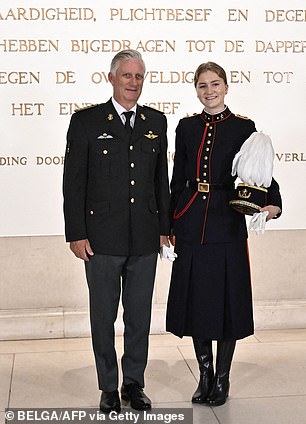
[
  {"x": 81, "y": 249},
  {"x": 164, "y": 240}
]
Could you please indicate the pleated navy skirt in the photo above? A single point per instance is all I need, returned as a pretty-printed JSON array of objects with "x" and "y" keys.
[{"x": 210, "y": 295}]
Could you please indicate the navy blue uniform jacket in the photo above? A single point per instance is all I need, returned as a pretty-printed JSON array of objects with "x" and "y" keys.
[
  {"x": 116, "y": 190},
  {"x": 205, "y": 148}
]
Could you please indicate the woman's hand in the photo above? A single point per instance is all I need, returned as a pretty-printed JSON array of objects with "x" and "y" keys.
[
  {"x": 172, "y": 239},
  {"x": 273, "y": 211}
]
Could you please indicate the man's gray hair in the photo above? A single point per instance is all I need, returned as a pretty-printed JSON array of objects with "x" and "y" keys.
[{"x": 125, "y": 55}]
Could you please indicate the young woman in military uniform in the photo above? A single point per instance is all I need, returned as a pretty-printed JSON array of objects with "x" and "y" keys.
[{"x": 210, "y": 294}]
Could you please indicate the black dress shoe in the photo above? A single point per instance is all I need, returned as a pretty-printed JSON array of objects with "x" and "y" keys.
[
  {"x": 135, "y": 394},
  {"x": 110, "y": 402}
]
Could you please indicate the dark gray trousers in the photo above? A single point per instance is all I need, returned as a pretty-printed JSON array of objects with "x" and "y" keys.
[{"x": 108, "y": 276}]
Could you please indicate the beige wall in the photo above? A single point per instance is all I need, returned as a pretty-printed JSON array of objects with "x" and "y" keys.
[{"x": 44, "y": 292}]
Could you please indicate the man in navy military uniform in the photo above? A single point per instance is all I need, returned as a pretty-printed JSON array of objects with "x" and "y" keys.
[{"x": 116, "y": 202}]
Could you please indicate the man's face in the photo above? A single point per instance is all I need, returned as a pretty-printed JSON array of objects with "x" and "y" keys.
[{"x": 127, "y": 82}]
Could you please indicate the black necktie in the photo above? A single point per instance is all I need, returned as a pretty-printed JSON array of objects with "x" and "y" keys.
[{"x": 127, "y": 125}]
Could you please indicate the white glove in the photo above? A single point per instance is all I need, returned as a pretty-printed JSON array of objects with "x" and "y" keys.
[
  {"x": 258, "y": 222},
  {"x": 166, "y": 253}
]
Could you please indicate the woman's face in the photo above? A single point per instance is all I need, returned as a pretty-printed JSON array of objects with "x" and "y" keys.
[{"x": 211, "y": 90}]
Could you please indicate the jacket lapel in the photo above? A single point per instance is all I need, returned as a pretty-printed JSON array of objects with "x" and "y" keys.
[
  {"x": 112, "y": 122},
  {"x": 141, "y": 123}
]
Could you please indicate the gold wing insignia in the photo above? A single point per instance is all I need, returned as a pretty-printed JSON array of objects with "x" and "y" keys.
[{"x": 151, "y": 136}]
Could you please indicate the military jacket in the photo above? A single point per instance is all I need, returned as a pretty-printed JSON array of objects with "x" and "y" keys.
[
  {"x": 116, "y": 190},
  {"x": 205, "y": 148}
]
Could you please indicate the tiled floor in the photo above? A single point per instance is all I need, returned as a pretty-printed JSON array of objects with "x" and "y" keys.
[{"x": 268, "y": 379}]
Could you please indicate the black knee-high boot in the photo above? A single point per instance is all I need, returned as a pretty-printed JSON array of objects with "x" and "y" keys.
[
  {"x": 204, "y": 355},
  {"x": 220, "y": 387}
]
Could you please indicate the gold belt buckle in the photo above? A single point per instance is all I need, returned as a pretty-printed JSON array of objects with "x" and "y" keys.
[{"x": 203, "y": 187}]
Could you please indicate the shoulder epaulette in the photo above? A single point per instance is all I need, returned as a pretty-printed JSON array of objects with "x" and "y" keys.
[
  {"x": 152, "y": 109},
  {"x": 241, "y": 117},
  {"x": 191, "y": 116},
  {"x": 85, "y": 107}
]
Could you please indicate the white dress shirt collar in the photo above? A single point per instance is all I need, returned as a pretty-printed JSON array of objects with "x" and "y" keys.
[{"x": 120, "y": 109}]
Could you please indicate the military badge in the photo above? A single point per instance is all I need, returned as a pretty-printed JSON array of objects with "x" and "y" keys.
[
  {"x": 151, "y": 136},
  {"x": 104, "y": 136}
]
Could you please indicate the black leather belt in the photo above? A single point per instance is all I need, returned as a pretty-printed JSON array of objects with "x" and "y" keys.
[{"x": 206, "y": 188}]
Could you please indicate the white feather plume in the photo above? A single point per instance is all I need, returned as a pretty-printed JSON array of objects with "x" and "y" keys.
[{"x": 253, "y": 164}]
